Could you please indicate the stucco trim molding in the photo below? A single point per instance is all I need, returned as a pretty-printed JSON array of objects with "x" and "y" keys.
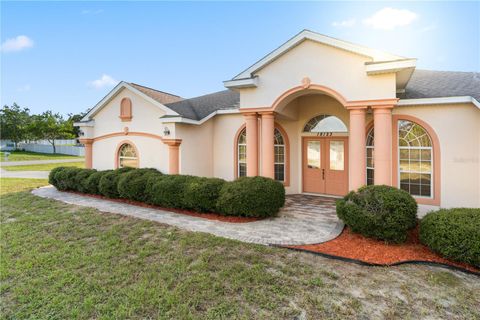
[
  {"x": 130, "y": 134},
  {"x": 443, "y": 100}
]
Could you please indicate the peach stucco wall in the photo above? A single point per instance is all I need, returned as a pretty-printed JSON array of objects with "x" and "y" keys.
[
  {"x": 337, "y": 69},
  {"x": 458, "y": 131},
  {"x": 145, "y": 119}
]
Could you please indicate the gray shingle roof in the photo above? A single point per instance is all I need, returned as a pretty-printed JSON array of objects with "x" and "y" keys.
[
  {"x": 199, "y": 107},
  {"x": 437, "y": 84}
]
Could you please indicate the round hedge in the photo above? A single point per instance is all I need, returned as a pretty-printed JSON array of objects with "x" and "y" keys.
[
  {"x": 453, "y": 233},
  {"x": 65, "y": 178},
  {"x": 81, "y": 177},
  {"x": 90, "y": 184},
  {"x": 108, "y": 184},
  {"x": 201, "y": 194},
  {"x": 52, "y": 176},
  {"x": 168, "y": 191},
  {"x": 251, "y": 197},
  {"x": 380, "y": 212},
  {"x": 132, "y": 184}
]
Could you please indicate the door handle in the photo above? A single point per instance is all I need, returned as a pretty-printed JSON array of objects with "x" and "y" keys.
[{"x": 323, "y": 174}]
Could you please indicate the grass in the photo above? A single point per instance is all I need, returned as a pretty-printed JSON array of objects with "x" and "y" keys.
[
  {"x": 44, "y": 167},
  {"x": 60, "y": 261},
  {"x": 27, "y": 156}
]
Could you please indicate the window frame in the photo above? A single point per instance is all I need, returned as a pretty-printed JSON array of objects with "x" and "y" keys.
[
  {"x": 435, "y": 199},
  {"x": 119, "y": 150}
]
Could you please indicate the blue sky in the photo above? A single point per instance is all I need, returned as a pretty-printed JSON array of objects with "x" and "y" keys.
[{"x": 65, "y": 56}]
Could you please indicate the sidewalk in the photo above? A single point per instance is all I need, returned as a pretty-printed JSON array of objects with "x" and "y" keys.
[{"x": 26, "y": 163}]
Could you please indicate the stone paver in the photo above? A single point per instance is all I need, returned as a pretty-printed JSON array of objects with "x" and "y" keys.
[
  {"x": 34, "y": 162},
  {"x": 305, "y": 219},
  {"x": 24, "y": 174}
]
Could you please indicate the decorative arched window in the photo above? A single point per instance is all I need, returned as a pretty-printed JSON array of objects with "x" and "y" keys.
[
  {"x": 325, "y": 123},
  {"x": 369, "y": 154},
  {"x": 242, "y": 154},
  {"x": 127, "y": 156},
  {"x": 415, "y": 159},
  {"x": 280, "y": 143},
  {"x": 279, "y": 156},
  {"x": 126, "y": 109}
]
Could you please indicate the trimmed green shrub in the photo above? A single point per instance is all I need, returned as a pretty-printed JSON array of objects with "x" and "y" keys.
[
  {"x": 453, "y": 233},
  {"x": 65, "y": 179},
  {"x": 52, "y": 176},
  {"x": 81, "y": 177},
  {"x": 251, "y": 197},
  {"x": 169, "y": 190},
  {"x": 380, "y": 212},
  {"x": 132, "y": 184},
  {"x": 108, "y": 185},
  {"x": 90, "y": 185},
  {"x": 201, "y": 194}
]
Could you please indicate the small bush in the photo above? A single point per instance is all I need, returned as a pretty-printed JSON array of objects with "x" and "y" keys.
[
  {"x": 81, "y": 177},
  {"x": 52, "y": 176},
  {"x": 65, "y": 178},
  {"x": 90, "y": 185},
  {"x": 251, "y": 197},
  {"x": 169, "y": 191},
  {"x": 201, "y": 194},
  {"x": 108, "y": 185},
  {"x": 380, "y": 212},
  {"x": 453, "y": 233},
  {"x": 132, "y": 184}
]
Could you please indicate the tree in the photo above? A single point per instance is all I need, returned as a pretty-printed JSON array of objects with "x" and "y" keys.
[
  {"x": 14, "y": 123},
  {"x": 72, "y": 118},
  {"x": 51, "y": 126}
]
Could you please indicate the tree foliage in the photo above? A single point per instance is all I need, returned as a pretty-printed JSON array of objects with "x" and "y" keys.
[{"x": 15, "y": 123}]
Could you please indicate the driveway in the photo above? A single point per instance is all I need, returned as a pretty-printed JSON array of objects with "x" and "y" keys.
[{"x": 304, "y": 219}]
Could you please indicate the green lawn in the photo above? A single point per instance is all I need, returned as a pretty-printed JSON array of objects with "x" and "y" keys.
[
  {"x": 26, "y": 156},
  {"x": 60, "y": 261},
  {"x": 44, "y": 167}
]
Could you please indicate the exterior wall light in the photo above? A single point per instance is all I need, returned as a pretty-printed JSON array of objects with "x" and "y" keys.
[{"x": 166, "y": 131}]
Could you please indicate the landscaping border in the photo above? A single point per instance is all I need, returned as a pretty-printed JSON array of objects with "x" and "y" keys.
[{"x": 370, "y": 264}]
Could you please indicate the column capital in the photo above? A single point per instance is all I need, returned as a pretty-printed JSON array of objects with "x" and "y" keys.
[
  {"x": 172, "y": 142},
  {"x": 265, "y": 114},
  {"x": 86, "y": 141},
  {"x": 359, "y": 108},
  {"x": 383, "y": 107}
]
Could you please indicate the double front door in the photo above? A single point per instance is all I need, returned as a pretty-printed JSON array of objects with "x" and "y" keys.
[{"x": 325, "y": 165}]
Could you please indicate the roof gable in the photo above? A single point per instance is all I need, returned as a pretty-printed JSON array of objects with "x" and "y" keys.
[
  {"x": 151, "y": 95},
  {"x": 375, "y": 55}
]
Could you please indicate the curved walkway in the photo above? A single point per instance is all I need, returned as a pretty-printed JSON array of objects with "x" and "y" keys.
[{"x": 303, "y": 220}]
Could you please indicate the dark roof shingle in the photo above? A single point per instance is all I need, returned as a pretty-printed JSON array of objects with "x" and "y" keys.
[
  {"x": 199, "y": 107},
  {"x": 437, "y": 84},
  {"x": 160, "y": 96}
]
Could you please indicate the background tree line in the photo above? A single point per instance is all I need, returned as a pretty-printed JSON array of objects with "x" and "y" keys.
[{"x": 17, "y": 124}]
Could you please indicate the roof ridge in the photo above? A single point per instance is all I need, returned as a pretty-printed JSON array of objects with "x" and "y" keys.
[{"x": 164, "y": 92}]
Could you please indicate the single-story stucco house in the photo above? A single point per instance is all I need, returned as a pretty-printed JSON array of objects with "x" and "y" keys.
[{"x": 321, "y": 115}]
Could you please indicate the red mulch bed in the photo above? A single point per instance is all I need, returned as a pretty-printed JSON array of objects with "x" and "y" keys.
[
  {"x": 357, "y": 247},
  {"x": 209, "y": 216}
]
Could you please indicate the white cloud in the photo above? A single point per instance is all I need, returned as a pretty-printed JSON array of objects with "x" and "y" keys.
[
  {"x": 24, "y": 88},
  {"x": 390, "y": 18},
  {"x": 16, "y": 44},
  {"x": 104, "y": 81},
  {"x": 344, "y": 23}
]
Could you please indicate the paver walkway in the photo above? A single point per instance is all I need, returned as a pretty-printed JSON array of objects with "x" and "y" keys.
[
  {"x": 33, "y": 162},
  {"x": 304, "y": 219}
]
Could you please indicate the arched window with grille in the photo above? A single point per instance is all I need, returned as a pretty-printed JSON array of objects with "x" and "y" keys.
[
  {"x": 369, "y": 154},
  {"x": 325, "y": 123},
  {"x": 279, "y": 156},
  {"x": 415, "y": 159},
  {"x": 127, "y": 156},
  {"x": 242, "y": 154}
]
